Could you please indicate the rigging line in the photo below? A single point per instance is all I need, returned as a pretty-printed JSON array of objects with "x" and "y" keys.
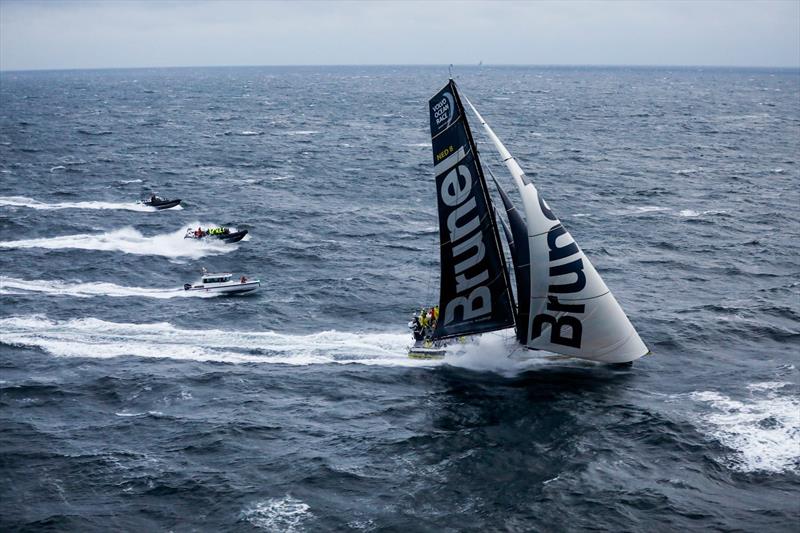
[{"x": 570, "y": 299}]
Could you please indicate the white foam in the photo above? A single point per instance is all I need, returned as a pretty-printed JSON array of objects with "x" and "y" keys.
[
  {"x": 278, "y": 514},
  {"x": 22, "y": 201},
  {"x": 301, "y": 132},
  {"x": 763, "y": 430},
  {"x": 130, "y": 241},
  {"x": 639, "y": 210},
  {"x": 691, "y": 213},
  {"x": 687, "y": 171},
  {"x": 78, "y": 289},
  {"x": 95, "y": 338},
  {"x": 496, "y": 352}
]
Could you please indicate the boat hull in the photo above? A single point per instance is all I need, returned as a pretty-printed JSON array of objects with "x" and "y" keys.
[
  {"x": 230, "y": 238},
  {"x": 430, "y": 349},
  {"x": 231, "y": 288},
  {"x": 233, "y": 237},
  {"x": 163, "y": 204}
]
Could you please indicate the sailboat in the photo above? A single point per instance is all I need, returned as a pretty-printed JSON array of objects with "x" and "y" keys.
[{"x": 562, "y": 305}]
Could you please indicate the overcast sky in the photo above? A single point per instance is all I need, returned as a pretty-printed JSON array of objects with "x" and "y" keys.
[{"x": 95, "y": 34}]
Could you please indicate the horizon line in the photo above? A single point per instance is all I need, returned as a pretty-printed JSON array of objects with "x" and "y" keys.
[{"x": 444, "y": 65}]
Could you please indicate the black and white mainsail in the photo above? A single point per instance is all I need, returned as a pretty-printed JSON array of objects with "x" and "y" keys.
[{"x": 474, "y": 294}]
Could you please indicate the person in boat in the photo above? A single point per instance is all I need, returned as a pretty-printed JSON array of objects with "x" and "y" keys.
[
  {"x": 198, "y": 233},
  {"x": 433, "y": 318},
  {"x": 416, "y": 327},
  {"x": 153, "y": 198},
  {"x": 243, "y": 280},
  {"x": 423, "y": 318}
]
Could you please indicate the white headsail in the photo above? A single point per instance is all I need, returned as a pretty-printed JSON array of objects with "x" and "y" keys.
[{"x": 572, "y": 311}]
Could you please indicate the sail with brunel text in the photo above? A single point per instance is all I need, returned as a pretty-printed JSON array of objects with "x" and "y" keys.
[
  {"x": 572, "y": 312},
  {"x": 474, "y": 294}
]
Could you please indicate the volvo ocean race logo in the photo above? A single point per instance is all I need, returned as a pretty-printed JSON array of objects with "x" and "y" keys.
[
  {"x": 466, "y": 236},
  {"x": 443, "y": 111}
]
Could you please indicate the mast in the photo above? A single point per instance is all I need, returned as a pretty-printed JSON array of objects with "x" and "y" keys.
[{"x": 474, "y": 296}]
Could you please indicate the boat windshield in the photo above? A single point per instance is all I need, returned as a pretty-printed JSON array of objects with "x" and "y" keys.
[{"x": 216, "y": 279}]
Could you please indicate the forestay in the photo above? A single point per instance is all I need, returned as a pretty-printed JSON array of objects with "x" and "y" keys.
[
  {"x": 474, "y": 293},
  {"x": 572, "y": 312}
]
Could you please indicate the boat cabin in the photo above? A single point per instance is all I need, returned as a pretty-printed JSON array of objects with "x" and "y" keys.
[{"x": 216, "y": 278}]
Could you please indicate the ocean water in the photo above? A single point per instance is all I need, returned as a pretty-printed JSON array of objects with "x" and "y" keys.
[{"x": 126, "y": 404}]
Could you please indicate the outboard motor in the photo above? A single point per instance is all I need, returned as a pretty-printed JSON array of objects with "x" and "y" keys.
[{"x": 187, "y": 286}]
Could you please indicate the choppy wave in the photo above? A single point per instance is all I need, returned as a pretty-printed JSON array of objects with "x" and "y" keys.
[
  {"x": 130, "y": 241},
  {"x": 78, "y": 289},
  {"x": 691, "y": 213},
  {"x": 22, "y": 201},
  {"x": 277, "y": 514},
  {"x": 245, "y": 133},
  {"x": 639, "y": 210},
  {"x": 763, "y": 430}
]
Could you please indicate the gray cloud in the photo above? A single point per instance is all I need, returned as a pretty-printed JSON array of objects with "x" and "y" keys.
[{"x": 80, "y": 34}]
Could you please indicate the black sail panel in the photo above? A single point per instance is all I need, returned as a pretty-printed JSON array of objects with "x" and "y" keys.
[
  {"x": 521, "y": 257},
  {"x": 474, "y": 295},
  {"x": 509, "y": 236}
]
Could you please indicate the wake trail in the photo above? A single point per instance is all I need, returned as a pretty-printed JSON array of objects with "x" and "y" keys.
[
  {"x": 97, "y": 338},
  {"x": 22, "y": 201},
  {"x": 9, "y": 285},
  {"x": 130, "y": 241}
]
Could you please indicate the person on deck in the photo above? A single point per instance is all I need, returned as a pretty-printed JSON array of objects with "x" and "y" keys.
[{"x": 423, "y": 319}]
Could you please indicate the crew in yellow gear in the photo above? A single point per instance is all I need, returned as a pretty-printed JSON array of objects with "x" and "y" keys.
[{"x": 423, "y": 318}]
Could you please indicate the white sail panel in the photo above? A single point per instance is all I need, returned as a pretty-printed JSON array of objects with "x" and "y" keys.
[{"x": 572, "y": 311}]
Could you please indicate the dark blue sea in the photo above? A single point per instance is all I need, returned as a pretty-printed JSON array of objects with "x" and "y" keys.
[{"x": 127, "y": 404}]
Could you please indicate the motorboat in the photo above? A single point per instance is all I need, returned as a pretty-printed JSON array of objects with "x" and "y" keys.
[
  {"x": 223, "y": 283},
  {"x": 224, "y": 234},
  {"x": 160, "y": 203}
]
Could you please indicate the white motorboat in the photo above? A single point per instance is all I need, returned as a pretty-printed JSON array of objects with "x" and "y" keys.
[{"x": 223, "y": 283}]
